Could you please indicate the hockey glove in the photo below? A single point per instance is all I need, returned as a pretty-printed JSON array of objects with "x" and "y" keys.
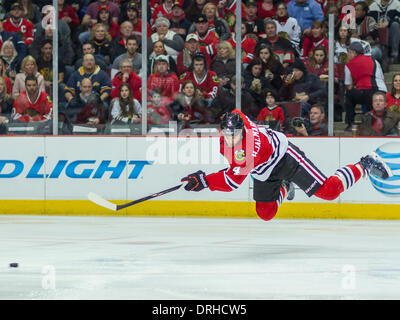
[{"x": 196, "y": 181}]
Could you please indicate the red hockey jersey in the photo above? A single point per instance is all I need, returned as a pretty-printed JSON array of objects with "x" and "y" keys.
[
  {"x": 209, "y": 41},
  {"x": 24, "y": 28},
  {"x": 248, "y": 45},
  {"x": 208, "y": 84},
  {"x": 257, "y": 154},
  {"x": 25, "y": 110},
  {"x": 272, "y": 113}
]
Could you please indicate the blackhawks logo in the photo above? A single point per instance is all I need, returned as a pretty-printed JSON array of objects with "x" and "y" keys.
[{"x": 240, "y": 156}]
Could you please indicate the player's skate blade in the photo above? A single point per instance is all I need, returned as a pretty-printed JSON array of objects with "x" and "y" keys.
[
  {"x": 290, "y": 190},
  {"x": 375, "y": 166}
]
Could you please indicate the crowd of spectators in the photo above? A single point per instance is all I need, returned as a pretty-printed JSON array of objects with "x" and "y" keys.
[{"x": 191, "y": 62}]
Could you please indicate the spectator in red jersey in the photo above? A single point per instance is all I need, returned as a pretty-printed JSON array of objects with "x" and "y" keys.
[
  {"x": 189, "y": 107},
  {"x": 380, "y": 121},
  {"x": 192, "y": 46},
  {"x": 125, "y": 109},
  {"x": 104, "y": 17},
  {"x": 315, "y": 39},
  {"x": 393, "y": 97},
  {"x": 162, "y": 10},
  {"x": 69, "y": 15},
  {"x": 205, "y": 80},
  {"x": 16, "y": 23},
  {"x": 173, "y": 42},
  {"x": 28, "y": 68},
  {"x": 280, "y": 46},
  {"x": 266, "y": 9},
  {"x": 132, "y": 15},
  {"x": 227, "y": 10},
  {"x": 167, "y": 81},
  {"x": 157, "y": 112},
  {"x": 363, "y": 77},
  {"x": 208, "y": 38},
  {"x": 6, "y": 103},
  {"x": 248, "y": 45},
  {"x": 6, "y": 80},
  {"x": 254, "y": 24},
  {"x": 272, "y": 111},
  {"x": 127, "y": 75},
  {"x": 179, "y": 23},
  {"x": 159, "y": 49},
  {"x": 224, "y": 63},
  {"x": 271, "y": 66},
  {"x": 32, "y": 105}
]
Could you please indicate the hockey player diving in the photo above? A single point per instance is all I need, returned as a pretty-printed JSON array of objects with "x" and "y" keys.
[{"x": 275, "y": 164}]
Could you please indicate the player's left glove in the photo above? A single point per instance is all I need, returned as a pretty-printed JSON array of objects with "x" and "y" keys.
[{"x": 196, "y": 181}]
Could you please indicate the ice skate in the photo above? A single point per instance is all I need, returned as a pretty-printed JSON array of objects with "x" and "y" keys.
[
  {"x": 290, "y": 189},
  {"x": 375, "y": 166}
]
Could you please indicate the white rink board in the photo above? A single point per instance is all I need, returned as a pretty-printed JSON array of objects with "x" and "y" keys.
[
  {"x": 24, "y": 151},
  {"x": 147, "y": 171}
]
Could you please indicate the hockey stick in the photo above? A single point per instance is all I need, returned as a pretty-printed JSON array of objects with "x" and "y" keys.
[{"x": 112, "y": 206}]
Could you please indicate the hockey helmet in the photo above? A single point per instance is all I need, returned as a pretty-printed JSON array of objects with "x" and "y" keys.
[{"x": 231, "y": 124}]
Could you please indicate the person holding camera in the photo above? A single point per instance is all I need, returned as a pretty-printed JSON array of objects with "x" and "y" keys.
[{"x": 314, "y": 126}]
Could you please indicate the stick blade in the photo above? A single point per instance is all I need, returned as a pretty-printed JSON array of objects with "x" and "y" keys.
[{"x": 95, "y": 198}]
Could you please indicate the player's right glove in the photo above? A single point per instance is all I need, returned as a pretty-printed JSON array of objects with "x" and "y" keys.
[{"x": 196, "y": 181}]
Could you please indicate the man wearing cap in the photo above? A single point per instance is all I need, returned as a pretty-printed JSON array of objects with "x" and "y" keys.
[
  {"x": 363, "y": 77},
  {"x": 304, "y": 87},
  {"x": 16, "y": 23},
  {"x": 179, "y": 23},
  {"x": 184, "y": 59},
  {"x": 167, "y": 81},
  {"x": 208, "y": 38}
]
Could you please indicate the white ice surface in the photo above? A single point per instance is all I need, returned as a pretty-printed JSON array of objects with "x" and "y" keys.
[{"x": 193, "y": 258}]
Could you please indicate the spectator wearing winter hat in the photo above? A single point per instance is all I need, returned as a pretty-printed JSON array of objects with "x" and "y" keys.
[
  {"x": 363, "y": 77},
  {"x": 304, "y": 87},
  {"x": 173, "y": 42}
]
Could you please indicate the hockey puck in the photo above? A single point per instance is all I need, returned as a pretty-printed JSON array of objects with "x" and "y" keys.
[{"x": 14, "y": 265}]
